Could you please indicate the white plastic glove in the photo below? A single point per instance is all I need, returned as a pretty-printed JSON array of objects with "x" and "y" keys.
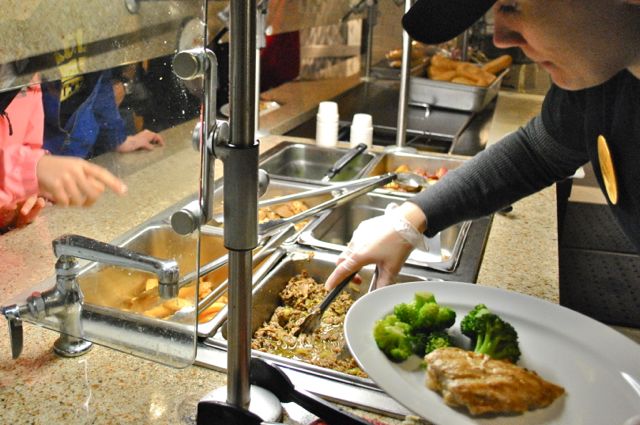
[{"x": 385, "y": 240}]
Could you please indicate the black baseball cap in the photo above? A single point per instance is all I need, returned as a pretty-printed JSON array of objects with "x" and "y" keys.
[{"x": 437, "y": 21}]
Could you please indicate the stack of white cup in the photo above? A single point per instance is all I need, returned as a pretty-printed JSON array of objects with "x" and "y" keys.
[
  {"x": 327, "y": 124},
  {"x": 361, "y": 130}
]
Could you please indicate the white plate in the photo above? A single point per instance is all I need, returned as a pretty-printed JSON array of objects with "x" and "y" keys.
[{"x": 598, "y": 367}]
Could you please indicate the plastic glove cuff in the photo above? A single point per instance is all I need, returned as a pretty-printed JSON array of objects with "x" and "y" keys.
[{"x": 405, "y": 229}]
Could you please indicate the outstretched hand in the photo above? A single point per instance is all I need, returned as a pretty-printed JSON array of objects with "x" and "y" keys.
[
  {"x": 385, "y": 240},
  {"x": 146, "y": 139},
  {"x": 73, "y": 181}
]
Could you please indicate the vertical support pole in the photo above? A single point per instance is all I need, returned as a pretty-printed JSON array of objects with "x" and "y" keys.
[
  {"x": 241, "y": 196},
  {"x": 404, "y": 85},
  {"x": 464, "y": 45},
  {"x": 261, "y": 43},
  {"x": 371, "y": 23}
]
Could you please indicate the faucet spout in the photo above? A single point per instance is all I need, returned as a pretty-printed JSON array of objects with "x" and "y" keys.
[{"x": 90, "y": 249}]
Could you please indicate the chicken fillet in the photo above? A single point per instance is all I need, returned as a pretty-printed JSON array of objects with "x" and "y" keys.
[{"x": 483, "y": 385}]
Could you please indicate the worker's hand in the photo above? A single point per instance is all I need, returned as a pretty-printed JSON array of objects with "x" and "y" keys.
[
  {"x": 386, "y": 241},
  {"x": 29, "y": 209},
  {"x": 146, "y": 139},
  {"x": 74, "y": 181}
]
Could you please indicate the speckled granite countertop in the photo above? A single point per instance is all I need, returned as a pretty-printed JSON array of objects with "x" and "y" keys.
[{"x": 109, "y": 387}]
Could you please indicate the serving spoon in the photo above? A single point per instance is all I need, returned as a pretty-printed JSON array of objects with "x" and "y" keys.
[{"x": 411, "y": 182}]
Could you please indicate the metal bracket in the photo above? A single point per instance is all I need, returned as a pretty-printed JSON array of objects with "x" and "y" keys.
[{"x": 188, "y": 65}]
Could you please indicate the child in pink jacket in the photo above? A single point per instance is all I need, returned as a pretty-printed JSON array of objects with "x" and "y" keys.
[{"x": 28, "y": 174}]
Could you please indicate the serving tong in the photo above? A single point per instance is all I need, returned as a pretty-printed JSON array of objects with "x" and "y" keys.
[
  {"x": 343, "y": 161},
  {"x": 371, "y": 184},
  {"x": 269, "y": 246},
  {"x": 312, "y": 320},
  {"x": 275, "y": 232},
  {"x": 329, "y": 189}
]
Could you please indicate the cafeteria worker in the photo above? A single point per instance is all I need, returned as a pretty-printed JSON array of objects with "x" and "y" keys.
[{"x": 591, "y": 50}]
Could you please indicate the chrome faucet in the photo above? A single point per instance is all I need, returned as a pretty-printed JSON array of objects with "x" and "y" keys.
[
  {"x": 60, "y": 307},
  {"x": 76, "y": 246}
]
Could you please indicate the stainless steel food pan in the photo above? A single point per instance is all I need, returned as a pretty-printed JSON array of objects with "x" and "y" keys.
[
  {"x": 444, "y": 94},
  {"x": 431, "y": 162},
  {"x": 309, "y": 163},
  {"x": 120, "y": 311},
  {"x": 266, "y": 298},
  {"x": 334, "y": 229},
  {"x": 114, "y": 287}
]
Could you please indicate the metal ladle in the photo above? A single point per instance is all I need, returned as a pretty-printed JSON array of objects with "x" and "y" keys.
[{"x": 411, "y": 182}]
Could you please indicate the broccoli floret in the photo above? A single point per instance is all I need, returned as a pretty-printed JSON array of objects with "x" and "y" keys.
[
  {"x": 424, "y": 314},
  {"x": 406, "y": 312},
  {"x": 393, "y": 337},
  {"x": 424, "y": 343},
  {"x": 409, "y": 312},
  {"x": 407, "y": 330},
  {"x": 418, "y": 343},
  {"x": 490, "y": 334},
  {"x": 437, "y": 339},
  {"x": 434, "y": 317},
  {"x": 427, "y": 316},
  {"x": 469, "y": 324},
  {"x": 446, "y": 318},
  {"x": 423, "y": 297}
]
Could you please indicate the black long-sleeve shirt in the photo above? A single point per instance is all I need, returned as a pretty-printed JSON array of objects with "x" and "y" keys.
[{"x": 548, "y": 149}]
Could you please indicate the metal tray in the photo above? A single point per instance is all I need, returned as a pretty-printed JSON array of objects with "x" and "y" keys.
[
  {"x": 443, "y": 94},
  {"x": 266, "y": 298},
  {"x": 309, "y": 163},
  {"x": 334, "y": 229},
  {"x": 111, "y": 286},
  {"x": 431, "y": 162}
]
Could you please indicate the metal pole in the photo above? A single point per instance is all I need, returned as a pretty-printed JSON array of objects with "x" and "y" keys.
[
  {"x": 257, "y": 96},
  {"x": 239, "y": 336},
  {"x": 404, "y": 85},
  {"x": 241, "y": 196},
  {"x": 371, "y": 22},
  {"x": 464, "y": 46},
  {"x": 261, "y": 43}
]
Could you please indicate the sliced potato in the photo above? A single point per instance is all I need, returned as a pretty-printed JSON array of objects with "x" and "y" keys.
[{"x": 151, "y": 283}]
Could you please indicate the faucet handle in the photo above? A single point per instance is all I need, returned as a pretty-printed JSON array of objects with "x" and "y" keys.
[{"x": 15, "y": 329}]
